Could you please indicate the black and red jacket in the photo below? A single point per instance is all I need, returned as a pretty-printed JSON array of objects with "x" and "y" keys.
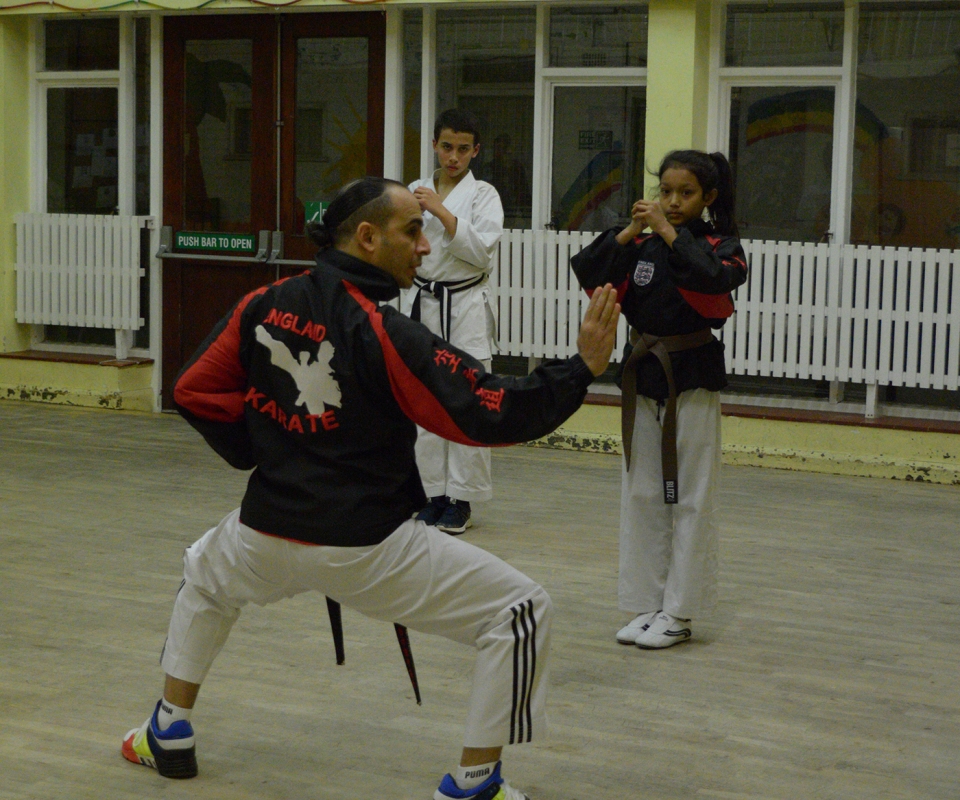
[
  {"x": 668, "y": 291},
  {"x": 318, "y": 388}
]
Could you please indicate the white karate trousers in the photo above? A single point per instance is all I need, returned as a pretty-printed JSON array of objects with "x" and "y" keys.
[
  {"x": 448, "y": 468},
  {"x": 668, "y": 553},
  {"x": 418, "y": 577}
]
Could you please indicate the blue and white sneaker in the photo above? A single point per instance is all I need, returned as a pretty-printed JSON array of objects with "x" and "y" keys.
[
  {"x": 493, "y": 788},
  {"x": 432, "y": 511},
  {"x": 172, "y": 752},
  {"x": 455, "y": 518},
  {"x": 666, "y": 630}
]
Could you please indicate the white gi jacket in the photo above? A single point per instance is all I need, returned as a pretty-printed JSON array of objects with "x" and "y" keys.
[{"x": 468, "y": 255}]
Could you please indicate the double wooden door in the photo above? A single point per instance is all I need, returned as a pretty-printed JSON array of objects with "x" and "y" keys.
[{"x": 265, "y": 117}]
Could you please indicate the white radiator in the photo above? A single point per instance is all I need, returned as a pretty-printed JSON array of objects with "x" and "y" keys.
[
  {"x": 869, "y": 315},
  {"x": 787, "y": 313},
  {"x": 79, "y": 269},
  {"x": 538, "y": 302},
  {"x": 899, "y": 320}
]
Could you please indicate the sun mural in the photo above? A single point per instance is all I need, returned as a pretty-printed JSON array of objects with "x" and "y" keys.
[{"x": 352, "y": 162}]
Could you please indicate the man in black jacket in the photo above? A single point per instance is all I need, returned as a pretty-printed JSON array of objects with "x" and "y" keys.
[{"x": 318, "y": 388}]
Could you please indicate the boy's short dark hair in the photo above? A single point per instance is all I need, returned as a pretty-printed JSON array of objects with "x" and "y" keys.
[{"x": 459, "y": 122}]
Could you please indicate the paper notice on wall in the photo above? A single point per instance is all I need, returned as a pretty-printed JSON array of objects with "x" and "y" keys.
[
  {"x": 953, "y": 150},
  {"x": 82, "y": 179},
  {"x": 85, "y": 143},
  {"x": 98, "y": 162},
  {"x": 106, "y": 197}
]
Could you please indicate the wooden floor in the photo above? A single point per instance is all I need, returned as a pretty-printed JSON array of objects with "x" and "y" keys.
[{"x": 830, "y": 670}]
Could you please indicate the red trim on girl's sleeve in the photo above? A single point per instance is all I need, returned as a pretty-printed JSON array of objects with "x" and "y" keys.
[
  {"x": 413, "y": 397},
  {"x": 711, "y": 306},
  {"x": 715, "y": 243},
  {"x": 214, "y": 386}
]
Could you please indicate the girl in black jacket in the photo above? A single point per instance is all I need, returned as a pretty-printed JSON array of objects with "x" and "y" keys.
[{"x": 674, "y": 286}]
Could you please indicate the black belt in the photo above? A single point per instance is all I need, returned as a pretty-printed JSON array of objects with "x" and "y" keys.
[
  {"x": 336, "y": 626},
  {"x": 442, "y": 290},
  {"x": 645, "y": 344}
]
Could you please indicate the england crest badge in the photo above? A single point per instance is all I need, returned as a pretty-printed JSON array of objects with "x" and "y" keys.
[{"x": 643, "y": 274}]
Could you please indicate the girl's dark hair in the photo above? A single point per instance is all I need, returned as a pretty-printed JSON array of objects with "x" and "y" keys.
[
  {"x": 712, "y": 171},
  {"x": 363, "y": 200}
]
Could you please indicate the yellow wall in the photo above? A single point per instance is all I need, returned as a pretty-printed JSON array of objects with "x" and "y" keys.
[
  {"x": 866, "y": 451},
  {"x": 14, "y": 169},
  {"x": 678, "y": 60},
  {"x": 112, "y": 384},
  {"x": 113, "y": 7}
]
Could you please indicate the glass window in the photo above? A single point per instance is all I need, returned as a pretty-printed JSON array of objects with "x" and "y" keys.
[
  {"x": 216, "y": 135},
  {"x": 412, "y": 82},
  {"x": 781, "y": 151},
  {"x": 784, "y": 35},
  {"x": 82, "y": 151},
  {"x": 598, "y": 141},
  {"x": 331, "y": 121},
  {"x": 81, "y": 44},
  {"x": 907, "y": 156},
  {"x": 485, "y": 64},
  {"x": 82, "y": 142},
  {"x": 142, "y": 143},
  {"x": 598, "y": 37}
]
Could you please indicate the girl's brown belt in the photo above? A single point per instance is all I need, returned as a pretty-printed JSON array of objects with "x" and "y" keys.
[{"x": 645, "y": 344}]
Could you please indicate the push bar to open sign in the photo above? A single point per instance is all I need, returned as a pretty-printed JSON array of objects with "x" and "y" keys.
[
  {"x": 234, "y": 242},
  {"x": 188, "y": 240}
]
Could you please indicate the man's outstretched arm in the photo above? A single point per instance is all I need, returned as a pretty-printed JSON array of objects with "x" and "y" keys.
[{"x": 451, "y": 394}]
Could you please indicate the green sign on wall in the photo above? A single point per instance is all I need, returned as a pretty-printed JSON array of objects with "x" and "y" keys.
[
  {"x": 209, "y": 240},
  {"x": 313, "y": 210}
]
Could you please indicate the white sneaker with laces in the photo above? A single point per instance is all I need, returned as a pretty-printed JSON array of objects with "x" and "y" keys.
[
  {"x": 665, "y": 630},
  {"x": 628, "y": 633}
]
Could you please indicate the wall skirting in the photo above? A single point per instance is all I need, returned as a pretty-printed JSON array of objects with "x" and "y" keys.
[
  {"x": 77, "y": 381},
  {"x": 808, "y": 445}
]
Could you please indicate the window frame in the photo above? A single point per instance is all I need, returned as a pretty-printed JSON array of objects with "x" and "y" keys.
[
  {"x": 123, "y": 79},
  {"x": 549, "y": 85},
  {"x": 842, "y": 80}
]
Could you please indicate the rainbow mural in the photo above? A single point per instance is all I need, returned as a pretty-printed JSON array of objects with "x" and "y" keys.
[
  {"x": 808, "y": 110},
  {"x": 599, "y": 179}
]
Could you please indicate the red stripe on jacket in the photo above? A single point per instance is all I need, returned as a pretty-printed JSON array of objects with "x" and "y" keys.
[
  {"x": 215, "y": 385},
  {"x": 711, "y": 306},
  {"x": 413, "y": 397}
]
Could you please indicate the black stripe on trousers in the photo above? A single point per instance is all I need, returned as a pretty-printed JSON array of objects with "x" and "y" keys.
[
  {"x": 163, "y": 649},
  {"x": 524, "y": 671}
]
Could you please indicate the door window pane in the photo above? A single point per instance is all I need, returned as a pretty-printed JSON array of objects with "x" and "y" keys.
[
  {"x": 81, "y": 44},
  {"x": 142, "y": 163},
  {"x": 907, "y": 167},
  {"x": 784, "y": 35},
  {"x": 412, "y": 81},
  {"x": 82, "y": 151},
  {"x": 216, "y": 135},
  {"x": 485, "y": 65},
  {"x": 598, "y": 37},
  {"x": 781, "y": 151},
  {"x": 598, "y": 141},
  {"x": 331, "y": 127}
]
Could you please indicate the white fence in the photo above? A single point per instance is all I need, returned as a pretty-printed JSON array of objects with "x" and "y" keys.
[
  {"x": 851, "y": 314},
  {"x": 79, "y": 269},
  {"x": 538, "y": 301}
]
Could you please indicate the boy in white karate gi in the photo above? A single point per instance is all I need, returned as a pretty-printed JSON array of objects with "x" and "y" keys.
[{"x": 463, "y": 221}]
